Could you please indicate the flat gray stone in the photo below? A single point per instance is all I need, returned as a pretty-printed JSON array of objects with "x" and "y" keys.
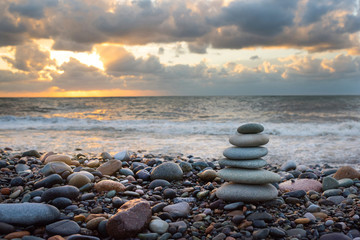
[
  {"x": 237, "y": 153},
  {"x": 234, "y": 192},
  {"x": 28, "y": 213},
  {"x": 250, "y": 128},
  {"x": 250, "y": 164},
  {"x": 249, "y": 140},
  {"x": 248, "y": 176}
]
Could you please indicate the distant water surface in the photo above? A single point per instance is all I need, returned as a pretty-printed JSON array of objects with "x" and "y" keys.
[{"x": 307, "y": 129}]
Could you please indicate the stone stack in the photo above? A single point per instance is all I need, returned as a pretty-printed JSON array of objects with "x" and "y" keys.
[{"x": 243, "y": 163}]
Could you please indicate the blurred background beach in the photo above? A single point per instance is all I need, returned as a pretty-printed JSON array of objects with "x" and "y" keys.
[{"x": 307, "y": 129}]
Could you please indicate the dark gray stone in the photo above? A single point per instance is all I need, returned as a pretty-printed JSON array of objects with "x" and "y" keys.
[
  {"x": 61, "y": 202},
  {"x": 63, "y": 228},
  {"x": 82, "y": 237},
  {"x": 296, "y": 232},
  {"x": 260, "y": 216},
  {"x": 250, "y": 128},
  {"x": 49, "y": 181},
  {"x": 31, "y": 153},
  {"x": 334, "y": 236},
  {"x": 6, "y": 228},
  {"x": 28, "y": 213},
  {"x": 67, "y": 191},
  {"x": 261, "y": 234},
  {"x": 159, "y": 183}
]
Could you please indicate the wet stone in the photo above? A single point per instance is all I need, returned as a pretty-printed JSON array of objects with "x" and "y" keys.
[{"x": 63, "y": 228}]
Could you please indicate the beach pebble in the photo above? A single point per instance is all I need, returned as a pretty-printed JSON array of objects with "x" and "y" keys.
[
  {"x": 28, "y": 213},
  {"x": 334, "y": 236},
  {"x": 63, "y": 228},
  {"x": 61, "y": 202},
  {"x": 93, "y": 163},
  {"x": 208, "y": 175},
  {"x": 55, "y": 167},
  {"x": 181, "y": 209},
  {"x": 85, "y": 173},
  {"x": 126, "y": 172},
  {"x": 21, "y": 168},
  {"x": 346, "y": 172},
  {"x": 110, "y": 167},
  {"x": 313, "y": 208},
  {"x": 301, "y": 184},
  {"x": 336, "y": 199},
  {"x": 169, "y": 193},
  {"x": 93, "y": 223},
  {"x": 289, "y": 165},
  {"x": 296, "y": 232},
  {"x": 249, "y": 140},
  {"x": 105, "y": 155},
  {"x": 186, "y": 167},
  {"x": 79, "y": 180},
  {"x": 169, "y": 171},
  {"x": 158, "y": 183},
  {"x": 310, "y": 216},
  {"x": 158, "y": 226},
  {"x": 329, "y": 183},
  {"x": 261, "y": 233},
  {"x": 58, "y": 158},
  {"x": 332, "y": 192},
  {"x": 31, "y": 153},
  {"x": 67, "y": 191},
  {"x": 122, "y": 156},
  {"x": 17, "y": 235},
  {"x": 49, "y": 181},
  {"x": 346, "y": 182},
  {"x": 6, "y": 228},
  {"x": 131, "y": 219},
  {"x": 237, "y": 153},
  {"x": 249, "y": 128},
  {"x": 108, "y": 185}
]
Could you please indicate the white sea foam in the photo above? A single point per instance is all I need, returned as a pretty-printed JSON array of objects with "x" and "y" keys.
[{"x": 347, "y": 128}]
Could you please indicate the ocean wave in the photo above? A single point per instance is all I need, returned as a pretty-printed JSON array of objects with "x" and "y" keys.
[{"x": 347, "y": 128}]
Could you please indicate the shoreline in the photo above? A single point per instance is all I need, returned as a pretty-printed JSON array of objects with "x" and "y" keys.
[{"x": 294, "y": 214}]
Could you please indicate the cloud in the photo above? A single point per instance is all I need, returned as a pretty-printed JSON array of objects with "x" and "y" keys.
[
  {"x": 78, "y": 24},
  {"x": 29, "y": 58},
  {"x": 32, "y": 8},
  {"x": 78, "y": 76}
]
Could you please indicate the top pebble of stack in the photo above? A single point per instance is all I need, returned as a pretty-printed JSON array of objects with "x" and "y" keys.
[{"x": 250, "y": 128}]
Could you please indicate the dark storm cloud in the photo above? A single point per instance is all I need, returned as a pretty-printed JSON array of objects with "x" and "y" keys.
[
  {"x": 77, "y": 25},
  {"x": 259, "y": 17},
  {"x": 32, "y": 8}
]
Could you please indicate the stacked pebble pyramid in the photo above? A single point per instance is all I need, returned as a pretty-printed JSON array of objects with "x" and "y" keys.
[{"x": 247, "y": 181}]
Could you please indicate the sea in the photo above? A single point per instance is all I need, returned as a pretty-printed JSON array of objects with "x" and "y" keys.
[{"x": 306, "y": 129}]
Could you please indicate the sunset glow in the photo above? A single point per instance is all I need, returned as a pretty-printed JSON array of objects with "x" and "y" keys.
[{"x": 141, "y": 48}]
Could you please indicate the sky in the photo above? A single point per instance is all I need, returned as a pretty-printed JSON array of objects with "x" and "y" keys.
[{"x": 82, "y": 48}]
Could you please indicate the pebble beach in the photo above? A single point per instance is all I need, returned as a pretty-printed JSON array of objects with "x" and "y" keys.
[{"x": 139, "y": 195}]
